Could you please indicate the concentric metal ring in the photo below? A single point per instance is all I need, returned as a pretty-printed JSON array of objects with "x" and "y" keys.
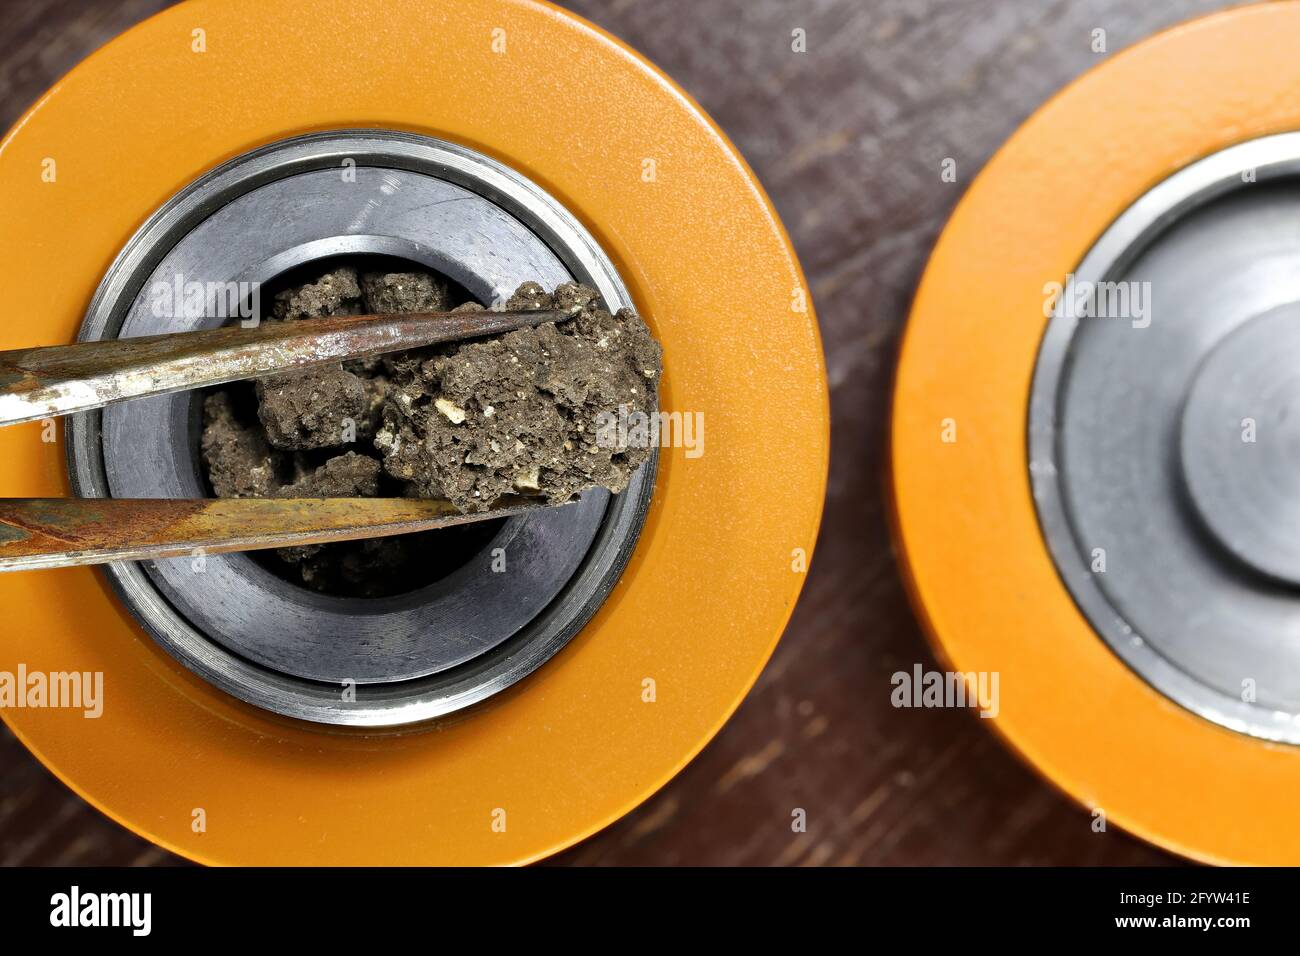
[
  {"x": 1207, "y": 254},
  {"x": 347, "y": 660}
]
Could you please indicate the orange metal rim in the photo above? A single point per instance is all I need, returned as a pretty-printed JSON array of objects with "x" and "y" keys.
[
  {"x": 712, "y": 582},
  {"x": 979, "y": 571}
]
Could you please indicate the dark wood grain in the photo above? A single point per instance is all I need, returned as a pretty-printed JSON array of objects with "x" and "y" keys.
[{"x": 847, "y": 139}]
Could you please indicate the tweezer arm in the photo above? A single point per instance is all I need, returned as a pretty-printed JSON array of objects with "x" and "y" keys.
[
  {"x": 56, "y": 380},
  {"x": 38, "y": 533}
]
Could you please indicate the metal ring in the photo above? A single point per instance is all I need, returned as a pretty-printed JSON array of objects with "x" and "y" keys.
[
  {"x": 1164, "y": 650},
  {"x": 407, "y": 666}
]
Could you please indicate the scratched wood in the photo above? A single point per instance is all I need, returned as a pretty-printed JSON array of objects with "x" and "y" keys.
[{"x": 847, "y": 138}]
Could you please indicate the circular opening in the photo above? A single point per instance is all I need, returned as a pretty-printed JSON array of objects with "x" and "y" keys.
[
  {"x": 230, "y": 436},
  {"x": 409, "y": 657}
]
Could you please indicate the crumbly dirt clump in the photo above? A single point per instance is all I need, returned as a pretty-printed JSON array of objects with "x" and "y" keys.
[
  {"x": 517, "y": 414},
  {"x": 241, "y": 462},
  {"x": 337, "y": 292}
]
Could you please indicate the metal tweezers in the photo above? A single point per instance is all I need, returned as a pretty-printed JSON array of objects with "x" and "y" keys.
[{"x": 42, "y": 383}]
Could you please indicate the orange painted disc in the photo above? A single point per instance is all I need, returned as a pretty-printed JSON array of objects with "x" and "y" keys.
[
  {"x": 714, "y": 577},
  {"x": 980, "y": 572}
]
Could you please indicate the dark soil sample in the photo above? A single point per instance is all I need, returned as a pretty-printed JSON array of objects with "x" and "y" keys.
[
  {"x": 329, "y": 406},
  {"x": 241, "y": 462},
  {"x": 518, "y": 414},
  {"x": 316, "y": 409},
  {"x": 337, "y": 292},
  {"x": 345, "y": 476},
  {"x": 404, "y": 292},
  {"x": 470, "y": 422}
]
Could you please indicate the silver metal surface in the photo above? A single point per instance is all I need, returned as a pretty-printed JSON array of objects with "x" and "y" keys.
[
  {"x": 413, "y": 656},
  {"x": 1239, "y": 444},
  {"x": 1165, "y": 457}
]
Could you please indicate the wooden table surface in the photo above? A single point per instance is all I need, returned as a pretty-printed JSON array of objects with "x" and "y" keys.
[{"x": 847, "y": 139}]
